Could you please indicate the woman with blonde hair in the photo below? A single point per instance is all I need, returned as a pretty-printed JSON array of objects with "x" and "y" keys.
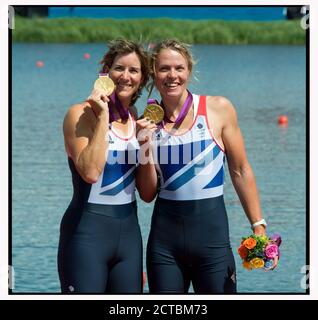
[{"x": 189, "y": 236}]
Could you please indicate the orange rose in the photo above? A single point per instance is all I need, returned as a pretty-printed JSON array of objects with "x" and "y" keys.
[
  {"x": 242, "y": 251},
  {"x": 249, "y": 243},
  {"x": 246, "y": 264}
]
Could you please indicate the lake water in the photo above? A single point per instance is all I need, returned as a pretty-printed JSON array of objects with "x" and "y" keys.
[{"x": 261, "y": 81}]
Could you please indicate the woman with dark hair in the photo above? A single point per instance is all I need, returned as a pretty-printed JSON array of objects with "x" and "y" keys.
[{"x": 100, "y": 248}]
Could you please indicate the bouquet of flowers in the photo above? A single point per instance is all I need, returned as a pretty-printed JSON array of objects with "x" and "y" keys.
[{"x": 259, "y": 252}]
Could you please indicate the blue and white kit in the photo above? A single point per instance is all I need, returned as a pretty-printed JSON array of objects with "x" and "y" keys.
[
  {"x": 100, "y": 238},
  {"x": 189, "y": 237}
]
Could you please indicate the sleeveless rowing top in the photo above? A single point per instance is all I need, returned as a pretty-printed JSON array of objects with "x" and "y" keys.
[
  {"x": 116, "y": 184},
  {"x": 190, "y": 165}
]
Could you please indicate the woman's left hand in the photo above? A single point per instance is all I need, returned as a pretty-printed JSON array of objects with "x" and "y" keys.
[
  {"x": 261, "y": 231},
  {"x": 275, "y": 263}
]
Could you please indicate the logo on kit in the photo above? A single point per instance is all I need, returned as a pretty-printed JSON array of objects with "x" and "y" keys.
[
  {"x": 201, "y": 129},
  {"x": 110, "y": 139}
]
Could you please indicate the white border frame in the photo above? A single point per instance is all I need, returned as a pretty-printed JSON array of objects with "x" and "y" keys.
[{"x": 4, "y": 156}]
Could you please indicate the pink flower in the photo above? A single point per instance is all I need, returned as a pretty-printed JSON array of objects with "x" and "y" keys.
[
  {"x": 271, "y": 251},
  {"x": 276, "y": 238}
]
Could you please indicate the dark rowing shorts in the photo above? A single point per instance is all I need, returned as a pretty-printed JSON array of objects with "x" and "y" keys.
[
  {"x": 189, "y": 241},
  {"x": 100, "y": 250}
]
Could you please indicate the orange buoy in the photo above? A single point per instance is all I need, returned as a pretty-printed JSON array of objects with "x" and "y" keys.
[
  {"x": 144, "y": 279},
  {"x": 282, "y": 120},
  {"x": 87, "y": 55},
  {"x": 40, "y": 64}
]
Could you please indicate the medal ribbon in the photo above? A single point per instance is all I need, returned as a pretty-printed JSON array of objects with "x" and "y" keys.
[
  {"x": 123, "y": 113},
  {"x": 184, "y": 110}
]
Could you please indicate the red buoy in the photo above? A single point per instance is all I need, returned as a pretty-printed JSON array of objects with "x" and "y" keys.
[
  {"x": 40, "y": 64},
  {"x": 282, "y": 120},
  {"x": 87, "y": 56}
]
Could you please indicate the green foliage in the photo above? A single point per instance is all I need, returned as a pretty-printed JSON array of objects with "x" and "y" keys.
[
  {"x": 81, "y": 30},
  {"x": 258, "y": 250}
]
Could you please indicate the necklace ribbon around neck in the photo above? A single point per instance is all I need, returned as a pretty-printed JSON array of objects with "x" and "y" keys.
[
  {"x": 184, "y": 110},
  {"x": 123, "y": 113},
  {"x": 115, "y": 102}
]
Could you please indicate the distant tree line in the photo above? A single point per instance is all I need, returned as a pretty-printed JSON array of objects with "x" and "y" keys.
[{"x": 32, "y": 11}]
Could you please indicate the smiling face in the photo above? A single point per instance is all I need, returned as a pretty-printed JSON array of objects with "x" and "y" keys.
[
  {"x": 171, "y": 73},
  {"x": 127, "y": 76}
]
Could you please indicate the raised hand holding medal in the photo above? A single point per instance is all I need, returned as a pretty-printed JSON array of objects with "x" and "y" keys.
[
  {"x": 99, "y": 100},
  {"x": 154, "y": 112},
  {"x": 106, "y": 84},
  {"x": 146, "y": 125}
]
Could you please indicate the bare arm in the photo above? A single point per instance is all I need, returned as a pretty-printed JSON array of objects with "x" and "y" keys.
[
  {"x": 85, "y": 128},
  {"x": 240, "y": 170},
  {"x": 146, "y": 177}
]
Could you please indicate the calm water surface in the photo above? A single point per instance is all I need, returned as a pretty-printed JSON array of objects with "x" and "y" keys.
[{"x": 261, "y": 81}]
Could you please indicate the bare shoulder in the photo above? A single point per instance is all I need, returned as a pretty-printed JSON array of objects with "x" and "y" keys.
[
  {"x": 78, "y": 114},
  {"x": 76, "y": 111},
  {"x": 221, "y": 106},
  {"x": 134, "y": 112},
  {"x": 219, "y": 103}
]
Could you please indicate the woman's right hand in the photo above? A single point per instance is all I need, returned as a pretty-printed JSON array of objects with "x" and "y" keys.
[
  {"x": 99, "y": 102},
  {"x": 145, "y": 129}
]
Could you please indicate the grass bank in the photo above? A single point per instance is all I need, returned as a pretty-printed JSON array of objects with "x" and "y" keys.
[{"x": 151, "y": 30}]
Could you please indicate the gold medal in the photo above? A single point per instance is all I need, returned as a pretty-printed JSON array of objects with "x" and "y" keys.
[
  {"x": 154, "y": 112},
  {"x": 106, "y": 84}
]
